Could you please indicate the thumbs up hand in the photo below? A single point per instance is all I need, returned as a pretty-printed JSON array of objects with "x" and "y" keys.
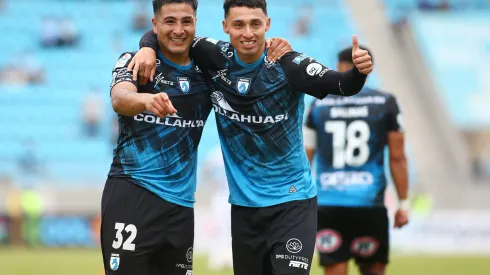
[{"x": 361, "y": 58}]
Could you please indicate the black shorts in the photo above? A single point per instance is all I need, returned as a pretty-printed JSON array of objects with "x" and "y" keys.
[
  {"x": 275, "y": 240},
  {"x": 143, "y": 234},
  {"x": 352, "y": 232}
]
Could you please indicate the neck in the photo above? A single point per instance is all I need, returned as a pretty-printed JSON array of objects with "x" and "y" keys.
[
  {"x": 249, "y": 59},
  {"x": 182, "y": 59}
]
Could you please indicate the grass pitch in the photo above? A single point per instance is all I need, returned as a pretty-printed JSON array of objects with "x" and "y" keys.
[{"x": 25, "y": 261}]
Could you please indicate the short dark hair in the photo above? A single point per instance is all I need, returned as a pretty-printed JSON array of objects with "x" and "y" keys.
[
  {"x": 158, "y": 4},
  {"x": 346, "y": 54},
  {"x": 253, "y": 4}
]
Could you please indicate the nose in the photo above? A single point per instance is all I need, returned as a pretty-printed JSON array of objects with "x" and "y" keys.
[
  {"x": 179, "y": 29},
  {"x": 248, "y": 34}
]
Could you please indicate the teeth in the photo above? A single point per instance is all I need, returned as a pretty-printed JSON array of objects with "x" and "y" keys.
[
  {"x": 177, "y": 39},
  {"x": 248, "y": 43}
]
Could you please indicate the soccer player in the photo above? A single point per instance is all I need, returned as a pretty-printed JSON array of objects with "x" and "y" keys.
[
  {"x": 147, "y": 203},
  {"x": 259, "y": 108},
  {"x": 348, "y": 137}
]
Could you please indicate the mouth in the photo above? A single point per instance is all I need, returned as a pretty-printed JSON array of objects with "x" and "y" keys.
[
  {"x": 248, "y": 44},
  {"x": 177, "y": 40}
]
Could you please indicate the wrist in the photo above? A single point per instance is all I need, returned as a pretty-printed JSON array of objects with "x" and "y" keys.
[{"x": 404, "y": 204}]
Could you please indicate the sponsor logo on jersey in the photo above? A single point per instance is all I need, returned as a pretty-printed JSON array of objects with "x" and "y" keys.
[
  {"x": 160, "y": 79},
  {"x": 221, "y": 74},
  {"x": 222, "y": 107},
  {"x": 314, "y": 69},
  {"x": 341, "y": 180},
  {"x": 298, "y": 59},
  {"x": 173, "y": 120},
  {"x": 121, "y": 62}
]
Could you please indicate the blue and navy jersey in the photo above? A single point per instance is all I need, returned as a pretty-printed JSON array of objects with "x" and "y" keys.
[
  {"x": 259, "y": 111},
  {"x": 160, "y": 154},
  {"x": 351, "y": 137}
]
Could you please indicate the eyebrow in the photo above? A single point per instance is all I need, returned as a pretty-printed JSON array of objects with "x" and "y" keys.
[
  {"x": 183, "y": 18},
  {"x": 254, "y": 20}
]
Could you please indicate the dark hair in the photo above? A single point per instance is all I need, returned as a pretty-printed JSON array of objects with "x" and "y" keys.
[
  {"x": 346, "y": 54},
  {"x": 253, "y": 4},
  {"x": 158, "y": 4}
]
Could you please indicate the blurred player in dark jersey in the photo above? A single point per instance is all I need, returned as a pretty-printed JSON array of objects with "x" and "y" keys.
[
  {"x": 147, "y": 204},
  {"x": 259, "y": 107},
  {"x": 348, "y": 137}
]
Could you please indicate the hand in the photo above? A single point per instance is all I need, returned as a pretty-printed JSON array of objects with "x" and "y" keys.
[
  {"x": 401, "y": 218},
  {"x": 144, "y": 65},
  {"x": 276, "y": 48},
  {"x": 361, "y": 57},
  {"x": 159, "y": 104}
]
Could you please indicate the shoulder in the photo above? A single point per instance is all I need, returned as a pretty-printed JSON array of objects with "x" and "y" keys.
[{"x": 124, "y": 59}]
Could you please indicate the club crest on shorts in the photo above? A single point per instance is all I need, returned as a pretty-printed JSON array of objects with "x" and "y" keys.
[
  {"x": 364, "y": 246},
  {"x": 328, "y": 241},
  {"x": 189, "y": 254},
  {"x": 184, "y": 84},
  {"x": 114, "y": 262},
  {"x": 243, "y": 85},
  {"x": 294, "y": 245}
]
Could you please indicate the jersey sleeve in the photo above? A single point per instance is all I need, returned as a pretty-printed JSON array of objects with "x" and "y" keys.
[
  {"x": 393, "y": 115},
  {"x": 309, "y": 76},
  {"x": 150, "y": 40},
  {"x": 209, "y": 54},
  {"x": 120, "y": 71}
]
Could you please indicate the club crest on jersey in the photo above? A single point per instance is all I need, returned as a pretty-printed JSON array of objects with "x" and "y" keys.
[
  {"x": 243, "y": 85},
  {"x": 114, "y": 262},
  {"x": 184, "y": 84}
]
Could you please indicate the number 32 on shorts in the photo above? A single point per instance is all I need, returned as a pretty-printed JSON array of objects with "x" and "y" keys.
[{"x": 128, "y": 244}]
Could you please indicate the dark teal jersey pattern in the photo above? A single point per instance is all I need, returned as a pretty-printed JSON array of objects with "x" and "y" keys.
[
  {"x": 160, "y": 154},
  {"x": 352, "y": 135},
  {"x": 259, "y": 117}
]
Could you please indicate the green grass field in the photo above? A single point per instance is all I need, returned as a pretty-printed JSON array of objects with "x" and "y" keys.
[{"x": 19, "y": 261}]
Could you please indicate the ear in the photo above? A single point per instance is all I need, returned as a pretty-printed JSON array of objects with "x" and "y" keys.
[
  {"x": 225, "y": 27},
  {"x": 267, "y": 24},
  {"x": 154, "y": 23}
]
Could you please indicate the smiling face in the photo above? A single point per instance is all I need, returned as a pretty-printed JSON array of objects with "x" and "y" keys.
[
  {"x": 247, "y": 27},
  {"x": 175, "y": 26}
]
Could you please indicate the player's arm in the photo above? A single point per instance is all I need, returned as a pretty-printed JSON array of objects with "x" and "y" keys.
[
  {"x": 309, "y": 135},
  {"x": 309, "y": 76},
  {"x": 125, "y": 97},
  {"x": 398, "y": 160}
]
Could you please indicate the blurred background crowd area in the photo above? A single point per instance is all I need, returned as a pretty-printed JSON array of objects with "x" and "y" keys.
[{"x": 58, "y": 129}]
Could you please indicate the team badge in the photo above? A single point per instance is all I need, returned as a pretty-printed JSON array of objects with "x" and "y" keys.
[
  {"x": 114, "y": 262},
  {"x": 243, "y": 85},
  {"x": 184, "y": 84}
]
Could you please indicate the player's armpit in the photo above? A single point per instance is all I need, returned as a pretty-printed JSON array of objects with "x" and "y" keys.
[
  {"x": 398, "y": 163},
  {"x": 309, "y": 76}
]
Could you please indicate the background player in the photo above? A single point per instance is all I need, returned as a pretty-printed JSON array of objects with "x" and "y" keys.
[
  {"x": 259, "y": 106},
  {"x": 147, "y": 204},
  {"x": 348, "y": 137}
]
